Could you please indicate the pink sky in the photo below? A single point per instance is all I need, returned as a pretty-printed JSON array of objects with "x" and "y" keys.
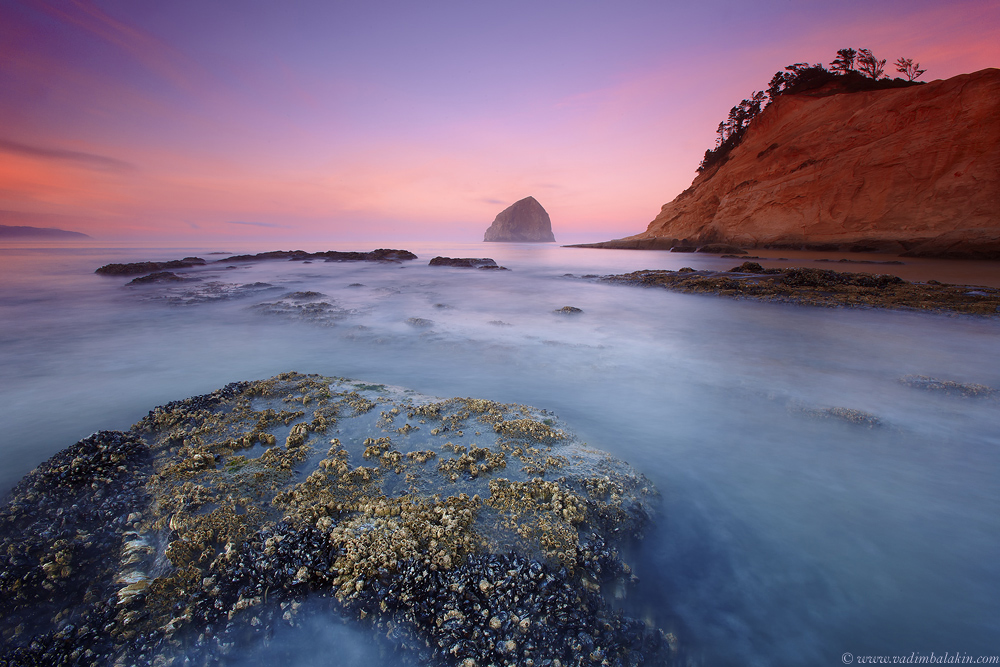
[{"x": 192, "y": 122}]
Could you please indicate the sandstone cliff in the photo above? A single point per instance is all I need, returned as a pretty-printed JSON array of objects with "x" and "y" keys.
[
  {"x": 522, "y": 221},
  {"x": 913, "y": 170}
]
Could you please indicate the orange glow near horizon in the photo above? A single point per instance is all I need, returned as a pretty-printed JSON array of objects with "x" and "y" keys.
[{"x": 141, "y": 126}]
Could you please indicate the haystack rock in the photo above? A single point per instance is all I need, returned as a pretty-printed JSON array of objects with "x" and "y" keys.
[
  {"x": 915, "y": 171},
  {"x": 524, "y": 221}
]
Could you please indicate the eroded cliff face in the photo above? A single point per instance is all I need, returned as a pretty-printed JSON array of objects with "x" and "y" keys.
[{"x": 913, "y": 170}]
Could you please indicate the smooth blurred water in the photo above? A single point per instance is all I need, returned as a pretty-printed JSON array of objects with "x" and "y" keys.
[{"x": 784, "y": 539}]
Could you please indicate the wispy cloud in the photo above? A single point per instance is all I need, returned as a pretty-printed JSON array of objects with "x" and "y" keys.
[
  {"x": 152, "y": 52},
  {"x": 80, "y": 158},
  {"x": 256, "y": 224}
]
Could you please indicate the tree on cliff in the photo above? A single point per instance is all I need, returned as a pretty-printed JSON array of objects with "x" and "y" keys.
[
  {"x": 731, "y": 130},
  {"x": 801, "y": 78},
  {"x": 910, "y": 69},
  {"x": 797, "y": 77},
  {"x": 844, "y": 62},
  {"x": 870, "y": 65}
]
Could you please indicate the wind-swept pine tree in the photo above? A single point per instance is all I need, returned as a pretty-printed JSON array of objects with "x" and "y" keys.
[
  {"x": 909, "y": 69},
  {"x": 869, "y": 65},
  {"x": 844, "y": 62}
]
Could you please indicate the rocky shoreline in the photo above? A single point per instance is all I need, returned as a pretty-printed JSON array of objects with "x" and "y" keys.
[
  {"x": 379, "y": 255},
  {"x": 821, "y": 287},
  {"x": 461, "y": 532}
]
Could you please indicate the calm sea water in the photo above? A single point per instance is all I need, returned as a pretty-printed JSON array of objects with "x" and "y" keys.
[{"x": 783, "y": 538}]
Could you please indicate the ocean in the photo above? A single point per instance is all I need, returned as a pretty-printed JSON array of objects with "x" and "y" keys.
[{"x": 787, "y": 532}]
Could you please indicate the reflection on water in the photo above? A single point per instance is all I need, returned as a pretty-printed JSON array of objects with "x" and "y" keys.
[{"x": 788, "y": 535}]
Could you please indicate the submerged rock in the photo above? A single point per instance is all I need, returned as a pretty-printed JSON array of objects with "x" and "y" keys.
[
  {"x": 926, "y": 383},
  {"x": 305, "y": 296},
  {"x": 849, "y": 415},
  {"x": 524, "y": 221},
  {"x": 158, "y": 277},
  {"x": 309, "y": 306},
  {"x": 460, "y": 531},
  {"x": 209, "y": 292},
  {"x": 722, "y": 249}
]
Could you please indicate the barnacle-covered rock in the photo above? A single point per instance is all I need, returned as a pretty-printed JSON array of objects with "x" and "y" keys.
[
  {"x": 486, "y": 536},
  {"x": 967, "y": 390},
  {"x": 821, "y": 287}
]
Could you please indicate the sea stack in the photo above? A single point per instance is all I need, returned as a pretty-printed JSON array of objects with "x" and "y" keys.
[{"x": 524, "y": 221}]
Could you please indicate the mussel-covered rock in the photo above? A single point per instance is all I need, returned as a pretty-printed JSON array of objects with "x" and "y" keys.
[{"x": 460, "y": 531}]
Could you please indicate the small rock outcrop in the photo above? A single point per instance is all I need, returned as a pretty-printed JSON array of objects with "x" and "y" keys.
[
  {"x": 465, "y": 262},
  {"x": 133, "y": 268},
  {"x": 524, "y": 221},
  {"x": 379, "y": 255},
  {"x": 821, "y": 287},
  {"x": 722, "y": 249}
]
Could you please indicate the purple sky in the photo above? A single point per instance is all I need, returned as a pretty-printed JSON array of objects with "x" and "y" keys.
[{"x": 203, "y": 121}]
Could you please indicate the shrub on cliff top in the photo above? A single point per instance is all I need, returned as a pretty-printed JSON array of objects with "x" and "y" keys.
[{"x": 842, "y": 77}]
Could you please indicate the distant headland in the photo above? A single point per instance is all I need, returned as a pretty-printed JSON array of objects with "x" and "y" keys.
[
  {"x": 14, "y": 232},
  {"x": 836, "y": 162}
]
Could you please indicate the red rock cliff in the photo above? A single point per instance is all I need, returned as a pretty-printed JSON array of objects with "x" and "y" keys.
[{"x": 914, "y": 170}]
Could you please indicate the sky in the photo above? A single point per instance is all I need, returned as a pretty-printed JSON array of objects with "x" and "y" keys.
[{"x": 193, "y": 122}]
